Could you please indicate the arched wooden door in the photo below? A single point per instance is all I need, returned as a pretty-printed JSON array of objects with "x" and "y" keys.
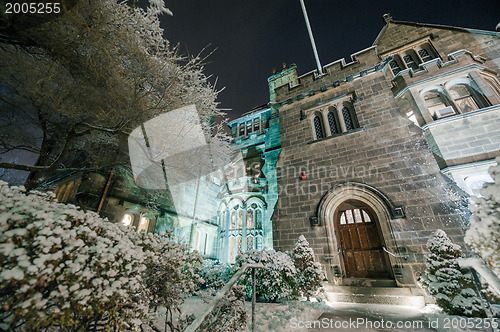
[{"x": 360, "y": 241}]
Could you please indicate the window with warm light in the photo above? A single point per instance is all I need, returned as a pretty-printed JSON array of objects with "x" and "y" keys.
[
  {"x": 127, "y": 219},
  {"x": 143, "y": 224}
]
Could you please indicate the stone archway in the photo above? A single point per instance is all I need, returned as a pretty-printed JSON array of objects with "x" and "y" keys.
[{"x": 378, "y": 205}]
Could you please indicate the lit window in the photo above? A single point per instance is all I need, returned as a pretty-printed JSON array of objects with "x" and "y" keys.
[
  {"x": 250, "y": 243},
  {"x": 354, "y": 216},
  {"x": 258, "y": 219},
  {"x": 250, "y": 219},
  {"x": 143, "y": 224},
  {"x": 205, "y": 246},
  {"x": 231, "y": 250},
  {"x": 127, "y": 219},
  {"x": 238, "y": 242},
  {"x": 259, "y": 242},
  {"x": 239, "y": 224},
  {"x": 233, "y": 220},
  {"x": 256, "y": 125}
]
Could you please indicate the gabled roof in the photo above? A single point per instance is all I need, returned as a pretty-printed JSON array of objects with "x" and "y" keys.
[{"x": 389, "y": 22}]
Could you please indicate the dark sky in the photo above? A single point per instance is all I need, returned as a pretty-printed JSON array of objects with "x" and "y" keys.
[{"x": 253, "y": 36}]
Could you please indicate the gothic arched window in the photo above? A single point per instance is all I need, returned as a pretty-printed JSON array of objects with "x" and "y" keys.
[
  {"x": 250, "y": 214},
  {"x": 411, "y": 60},
  {"x": 231, "y": 250},
  {"x": 250, "y": 242},
  {"x": 395, "y": 65},
  {"x": 258, "y": 219},
  {"x": 318, "y": 127},
  {"x": 349, "y": 117},
  {"x": 128, "y": 219},
  {"x": 239, "y": 223},
  {"x": 143, "y": 224},
  {"x": 333, "y": 122},
  {"x": 233, "y": 220}
]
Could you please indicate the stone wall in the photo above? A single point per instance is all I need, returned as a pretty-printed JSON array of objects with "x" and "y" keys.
[
  {"x": 388, "y": 153},
  {"x": 465, "y": 135}
]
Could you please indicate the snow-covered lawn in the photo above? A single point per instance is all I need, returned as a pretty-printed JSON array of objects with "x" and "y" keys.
[{"x": 326, "y": 316}]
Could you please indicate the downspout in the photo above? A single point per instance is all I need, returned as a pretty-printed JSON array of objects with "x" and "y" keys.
[{"x": 106, "y": 188}]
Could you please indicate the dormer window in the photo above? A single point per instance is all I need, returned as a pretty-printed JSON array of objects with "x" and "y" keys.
[
  {"x": 395, "y": 67},
  {"x": 424, "y": 55},
  {"x": 411, "y": 60},
  {"x": 411, "y": 57}
]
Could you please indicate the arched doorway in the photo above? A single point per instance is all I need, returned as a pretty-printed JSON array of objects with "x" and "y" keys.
[
  {"x": 360, "y": 240},
  {"x": 381, "y": 212}
]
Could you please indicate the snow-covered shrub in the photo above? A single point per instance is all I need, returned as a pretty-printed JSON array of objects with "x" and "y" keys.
[
  {"x": 309, "y": 275},
  {"x": 275, "y": 281},
  {"x": 228, "y": 316},
  {"x": 66, "y": 268},
  {"x": 484, "y": 232},
  {"x": 215, "y": 274},
  {"x": 449, "y": 284}
]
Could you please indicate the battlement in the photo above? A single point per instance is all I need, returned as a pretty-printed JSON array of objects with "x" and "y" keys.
[{"x": 336, "y": 72}]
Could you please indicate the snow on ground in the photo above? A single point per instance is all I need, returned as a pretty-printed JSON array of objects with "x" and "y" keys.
[{"x": 326, "y": 316}]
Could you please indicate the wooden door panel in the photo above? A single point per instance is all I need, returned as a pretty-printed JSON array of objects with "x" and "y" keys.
[{"x": 362, "y": 249}]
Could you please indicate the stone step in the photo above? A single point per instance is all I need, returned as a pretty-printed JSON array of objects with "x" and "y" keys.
[
  {"x": 376, "y": 295},
  {"x": 368, "y": 282}
]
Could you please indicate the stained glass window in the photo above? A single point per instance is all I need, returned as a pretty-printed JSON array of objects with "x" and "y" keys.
[
  {"x": 250, "y": 243},
  {"x": 258, "y": 219},
  {"x": 249, "y": 219}
]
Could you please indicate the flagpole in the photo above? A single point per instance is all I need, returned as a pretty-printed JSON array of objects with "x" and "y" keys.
[{"x": 313, "y": 44}]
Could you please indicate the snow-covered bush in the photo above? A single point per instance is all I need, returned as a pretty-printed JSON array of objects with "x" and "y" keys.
[
  {"x": 215, "y": 274},
  {"x": 62, "y": 267},
  {"x": 484, "y": 232},
  {"x": 228, "y": 316},
  {"x": 309, "y": 275},
  {"x": 275, "y": 281},
  {"x": 449, "y": 284}
]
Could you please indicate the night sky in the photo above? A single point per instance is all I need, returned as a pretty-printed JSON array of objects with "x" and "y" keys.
[{"x": 253, "y": 36}]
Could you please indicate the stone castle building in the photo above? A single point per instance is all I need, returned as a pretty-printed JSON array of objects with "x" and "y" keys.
[
  {"x": 365, "y": 160},
  {"x": 379, "y": 152}
]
